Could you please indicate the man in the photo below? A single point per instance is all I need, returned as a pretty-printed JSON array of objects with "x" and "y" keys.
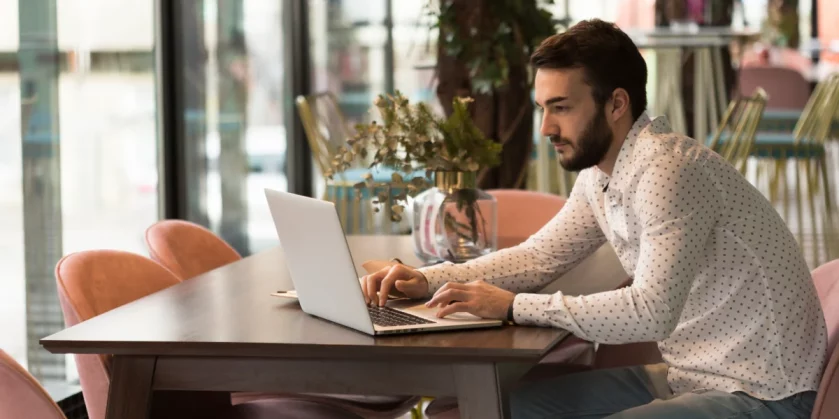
[{"x": 719, "y": 281}]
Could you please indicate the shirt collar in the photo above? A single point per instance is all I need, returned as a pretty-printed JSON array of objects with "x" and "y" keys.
[{"x": 622, "y": 170}]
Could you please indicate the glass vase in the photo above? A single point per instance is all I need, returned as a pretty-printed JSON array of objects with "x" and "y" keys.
[{"x": 454, "y": 220}]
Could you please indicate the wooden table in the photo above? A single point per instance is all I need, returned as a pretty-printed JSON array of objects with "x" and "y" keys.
[{"x": 222, "y": 331}]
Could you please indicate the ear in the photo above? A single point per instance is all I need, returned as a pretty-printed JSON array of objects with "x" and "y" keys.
[{"x": 620, "y": 104}]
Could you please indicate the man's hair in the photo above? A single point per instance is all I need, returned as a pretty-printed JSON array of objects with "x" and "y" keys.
[{"x": 607, "y": 55}]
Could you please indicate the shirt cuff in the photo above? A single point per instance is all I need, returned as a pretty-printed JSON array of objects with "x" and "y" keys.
[
  {"x": 437, "y": 276},
  {"x": 531, "y": 309}
]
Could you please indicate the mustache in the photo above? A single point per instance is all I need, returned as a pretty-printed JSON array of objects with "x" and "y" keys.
[{"x": 557, "y": 140}]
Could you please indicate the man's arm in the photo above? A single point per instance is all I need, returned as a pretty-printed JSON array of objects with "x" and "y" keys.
[
  {"x": 678, "y": 209},
  {"x": 564, "y": 242}
]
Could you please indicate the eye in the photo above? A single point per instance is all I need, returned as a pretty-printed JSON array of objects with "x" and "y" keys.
[{"x": 558, "y": 108}]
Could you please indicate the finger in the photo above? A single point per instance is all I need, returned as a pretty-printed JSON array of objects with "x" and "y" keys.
[
  {"x": 451, "y": 285},
  {"x": 397, "y": 272},
  {"x": 405, "y": 286},
  {"x": 448, "y": 297},
  {"x": 454, "y": 308},
  {"x": 372, "y": 286}
]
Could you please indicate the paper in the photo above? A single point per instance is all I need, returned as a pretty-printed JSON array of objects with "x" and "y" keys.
[{"x": 285, "y": 294}]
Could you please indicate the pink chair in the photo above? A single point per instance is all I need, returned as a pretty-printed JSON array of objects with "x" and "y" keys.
[
  {"x": 93, "y": 282},
  {"x": 189, "y": 250},
  {"x": 826, "y": 278},
  {"x": 522, "y": 213},
  {"x": 21, "y": 396},
  {"x": 786, "y": 87}
]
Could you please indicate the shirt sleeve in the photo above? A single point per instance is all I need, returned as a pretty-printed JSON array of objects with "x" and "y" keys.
[
  {"x": 678, "y": 206},
  {"x": 564, "y": 242}
]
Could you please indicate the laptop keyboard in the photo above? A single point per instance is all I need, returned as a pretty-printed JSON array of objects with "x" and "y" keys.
[{"x": 386, "y": 316}]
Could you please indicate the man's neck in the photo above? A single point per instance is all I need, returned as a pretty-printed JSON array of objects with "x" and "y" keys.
[{"x": 618, "y": 137}]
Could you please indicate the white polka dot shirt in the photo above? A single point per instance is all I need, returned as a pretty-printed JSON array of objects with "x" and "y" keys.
[{"x": 719, "y": 280}]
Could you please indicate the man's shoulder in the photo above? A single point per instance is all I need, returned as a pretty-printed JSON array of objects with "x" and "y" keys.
[{"x": 670, "y": 145}]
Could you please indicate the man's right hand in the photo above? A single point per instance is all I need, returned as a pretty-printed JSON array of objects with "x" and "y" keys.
[{"x": 405, "y": 280}]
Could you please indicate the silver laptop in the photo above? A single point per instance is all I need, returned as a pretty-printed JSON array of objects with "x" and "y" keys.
[{"x": 325, "y": 278}]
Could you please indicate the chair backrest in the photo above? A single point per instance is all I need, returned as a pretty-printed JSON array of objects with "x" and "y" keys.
[
  {"x": 786, "y": 87},
  {"x": 325, "y": 126},
  {"x": 21, "y": 396},
  {"x": 826, "y": 278},
  {"x": 739, "y": 125},
  {"x": 817, "y": 117},
  {"x": 96, "y": 281},
  {"x": 522, "y": 213},
  {"x": 187, "y": 249}
]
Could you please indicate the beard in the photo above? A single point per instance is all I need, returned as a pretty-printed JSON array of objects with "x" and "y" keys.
[{"x": 590, "y": 149}]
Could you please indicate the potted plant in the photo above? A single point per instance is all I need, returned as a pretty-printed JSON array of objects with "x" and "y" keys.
[{"x": 435, "y": 161}]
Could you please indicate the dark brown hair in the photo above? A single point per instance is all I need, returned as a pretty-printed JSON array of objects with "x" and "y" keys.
[{"x": 607, "y": 55}]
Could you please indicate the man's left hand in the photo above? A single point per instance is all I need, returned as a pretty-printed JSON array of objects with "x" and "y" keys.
[{"x": 477, "y": 298}]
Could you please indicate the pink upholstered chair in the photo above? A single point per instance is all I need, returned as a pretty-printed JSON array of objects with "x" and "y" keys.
[
  {"x": 826, "y": 278},
  {"x": 187, "y": 249},
  {"x": 522, "y": 213},
  {"x": 21, "y": 396},
  {"x": 93, "y": 282},
  {"x": 787, "y": 88}
]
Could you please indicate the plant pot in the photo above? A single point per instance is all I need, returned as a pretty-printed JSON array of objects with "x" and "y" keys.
[{"x": 454, "y": 220}]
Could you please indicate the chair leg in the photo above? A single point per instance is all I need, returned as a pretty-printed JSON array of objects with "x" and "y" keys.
[
  {"x": 416, "y": 412},
  {"x": 811, "y": 201},
  {"x": 341, "y": 197},
  {"x": 826, "y": 182},
  {"x": 829, "y": 228},
  {"x": 799, "y": 204},
  {"x": 775, "y": 180},
  {"x": 369, "y": 217},
  {"x": 779, "y": 181}
]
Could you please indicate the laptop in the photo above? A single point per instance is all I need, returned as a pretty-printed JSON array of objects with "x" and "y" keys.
[{"x": 324, "y": 275}]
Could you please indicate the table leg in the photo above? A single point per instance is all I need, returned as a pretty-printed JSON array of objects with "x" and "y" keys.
[
  {"x": 191, "y": 405},
  {"x": 130, "y": 393},
  {"x": 483, "y": 389}
]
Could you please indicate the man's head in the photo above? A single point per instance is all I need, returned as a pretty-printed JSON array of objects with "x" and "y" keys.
[{"x": 591, "y": 82}]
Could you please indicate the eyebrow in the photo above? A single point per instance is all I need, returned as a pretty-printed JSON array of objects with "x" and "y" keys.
[{"x": 554, "y": 99}]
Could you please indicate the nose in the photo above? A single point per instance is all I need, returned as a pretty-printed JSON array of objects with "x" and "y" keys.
[{"x": 546, "y": 128}]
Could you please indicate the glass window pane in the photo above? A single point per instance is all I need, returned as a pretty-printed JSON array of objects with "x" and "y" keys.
[
  {"x": 108, "y": 128},
  {"x": 12, "y": 280},
  {"x": 235, "y": 132},
  {"x": 76, "y": 78}
]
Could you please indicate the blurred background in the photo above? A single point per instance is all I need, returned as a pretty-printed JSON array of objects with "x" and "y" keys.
[{"x": 115, "y": 114}]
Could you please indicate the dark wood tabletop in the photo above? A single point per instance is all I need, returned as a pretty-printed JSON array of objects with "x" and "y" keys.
[{"x": 230, "y": 312}]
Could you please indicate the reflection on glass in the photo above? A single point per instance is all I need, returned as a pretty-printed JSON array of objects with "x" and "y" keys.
[
  {"x": 12, "y": 273},
  {"x": 362, "y": 48},
  {"x": 108, "y": 132},
  {"x": 235, "y": 133},
  {"x": 38, "y": 60},
  {"x": 77, "y": 153}
]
